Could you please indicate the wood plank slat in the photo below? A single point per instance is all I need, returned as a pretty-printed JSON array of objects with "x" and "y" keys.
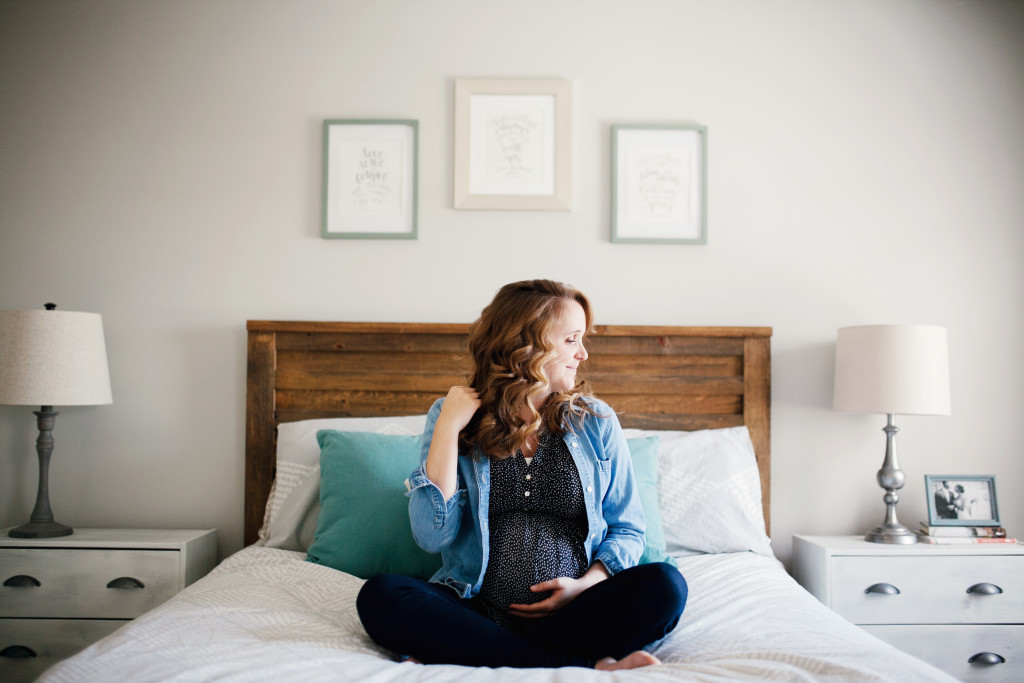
[
  {"x": 299, "y": 379},
  {"x": 687, "y": 331},
  {"x": 320, "y": 327},
  {"x": 373, "y": 411},
  {"x": 392, "y": 403},
  {"x": 666, "y": 345},
  {"x": 757, "y": 411},
  {"x": 674, "y": 366},
  {"x": 684, "y": 423},
  {"x": 260, "y": 430},
  {"x": 604, "y": 384},
  {"x": 326, "y": 363},
  {"x": 373, "y": 342},
  {"x": 695, "y": 404}
]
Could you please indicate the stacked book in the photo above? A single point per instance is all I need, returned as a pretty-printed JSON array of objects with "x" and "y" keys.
[{"x": 963, "y": 534}]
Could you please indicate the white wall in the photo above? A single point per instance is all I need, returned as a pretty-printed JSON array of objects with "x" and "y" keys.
[{"x": 160, "y": 164}]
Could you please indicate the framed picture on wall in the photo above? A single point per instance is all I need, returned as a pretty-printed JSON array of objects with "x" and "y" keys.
[
  {"x": 961, "y": 500},
  {"x": 370, "y": 178},
  {"x": 513, "y": 142},
  {"x": 659, "y": 184}
]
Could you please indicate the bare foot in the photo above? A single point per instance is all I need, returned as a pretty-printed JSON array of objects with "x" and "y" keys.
[{"x": 634, "y": 660}]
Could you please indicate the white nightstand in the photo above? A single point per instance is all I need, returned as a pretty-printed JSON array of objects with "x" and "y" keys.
[
  {"x": 59, "y": 595},
  {"x": 958, "y": 607}
]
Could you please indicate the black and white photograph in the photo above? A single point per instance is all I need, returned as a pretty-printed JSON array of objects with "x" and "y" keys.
[{"x": 961, "y": 500}]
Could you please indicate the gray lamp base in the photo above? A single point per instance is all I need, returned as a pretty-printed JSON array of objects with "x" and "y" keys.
[
  {"x": 40, "y": 530},
  {"x": 887, "y": 534},
  {"x": 41, "y": 523}
]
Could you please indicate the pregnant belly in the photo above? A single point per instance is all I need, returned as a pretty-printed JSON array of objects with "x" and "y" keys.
[{"x": 527, "y": 549}]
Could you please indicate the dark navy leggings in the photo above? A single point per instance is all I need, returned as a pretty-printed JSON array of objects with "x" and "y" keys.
[{"x": 613, "y": 618}]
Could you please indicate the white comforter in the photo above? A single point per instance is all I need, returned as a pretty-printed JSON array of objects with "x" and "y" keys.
[{"x": 266, "y": 614}]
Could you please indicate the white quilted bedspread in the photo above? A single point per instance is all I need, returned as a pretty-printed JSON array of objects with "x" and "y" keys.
[{"x": 267, "y": 615}]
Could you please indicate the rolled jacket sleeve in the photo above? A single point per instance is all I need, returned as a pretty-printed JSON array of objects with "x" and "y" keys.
[{"x": 435, "y": 521}]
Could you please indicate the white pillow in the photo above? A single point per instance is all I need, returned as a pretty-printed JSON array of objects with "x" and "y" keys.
[
  {"x": 294, "y": 501},
  {"x": 709, "y": 491}
]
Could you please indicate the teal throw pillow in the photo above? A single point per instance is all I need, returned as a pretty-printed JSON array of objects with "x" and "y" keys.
[
  {"x": 644, "y": 452},
  {"x": 363, "y": 528}
]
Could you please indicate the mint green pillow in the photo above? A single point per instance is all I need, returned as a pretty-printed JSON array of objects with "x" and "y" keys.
[
  {"x": 644, "y": 452},
  {"x": 363, "y": 528}
]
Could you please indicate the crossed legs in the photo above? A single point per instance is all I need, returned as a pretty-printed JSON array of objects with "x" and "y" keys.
[{"x": 614, "y": 618}]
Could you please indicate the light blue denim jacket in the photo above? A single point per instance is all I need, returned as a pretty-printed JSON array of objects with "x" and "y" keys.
[{"x": 458, "y": 527}]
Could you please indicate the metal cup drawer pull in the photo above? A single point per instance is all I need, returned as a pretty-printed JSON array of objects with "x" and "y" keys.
[
  {"x": 883, "y": 588},
  {"x": 985, "y": 589},
  {"x": 18, "y": 652},
  {"x": 987, "y": 659},
  {"x": 22, "y": 581},
  {"x": 126, "y": 582}
]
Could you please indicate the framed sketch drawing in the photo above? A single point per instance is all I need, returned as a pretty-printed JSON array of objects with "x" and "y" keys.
[
  {"x": 659, "y": 184},
  {"x": 370, "y": 178},
  {"x": 961, "y": 500},
  {"x": 513, "y": 142}
]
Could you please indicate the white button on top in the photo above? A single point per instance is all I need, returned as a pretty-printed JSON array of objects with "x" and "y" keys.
[
  {"x": 574, "y": 444},
  {"x": 527, "y": 493},
  {"x": 528, "y": 477},
  {"x": 590, "y": 489}
]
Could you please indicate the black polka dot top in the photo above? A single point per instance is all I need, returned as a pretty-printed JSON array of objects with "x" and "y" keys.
[{"x": 538, "y": 523}]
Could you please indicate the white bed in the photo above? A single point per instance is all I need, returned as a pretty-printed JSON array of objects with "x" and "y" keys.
[{"x": 266, "y": 613}]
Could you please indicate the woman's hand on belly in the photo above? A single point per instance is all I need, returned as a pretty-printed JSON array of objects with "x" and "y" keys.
[{"x": 563, "y": 591}]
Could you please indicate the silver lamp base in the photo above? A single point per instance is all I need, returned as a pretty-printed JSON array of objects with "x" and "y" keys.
[
  {"x": 885, "y": 534},
  {"x": 891, "y": 478}
]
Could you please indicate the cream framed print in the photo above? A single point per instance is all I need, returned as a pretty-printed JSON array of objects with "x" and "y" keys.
[
  {"x": 370, "y": 178},
  {"x": 659, "y": 184},
  {"x": 513, "y": 142}
]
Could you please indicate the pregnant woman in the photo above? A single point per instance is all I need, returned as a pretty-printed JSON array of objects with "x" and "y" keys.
[{"x": 526, "y": 489}]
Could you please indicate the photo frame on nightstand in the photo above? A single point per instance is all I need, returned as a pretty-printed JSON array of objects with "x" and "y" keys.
[{"x": 961, "y": 500}]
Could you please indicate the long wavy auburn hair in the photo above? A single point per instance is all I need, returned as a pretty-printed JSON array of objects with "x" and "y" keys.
[{"x": 509, "y": 345}]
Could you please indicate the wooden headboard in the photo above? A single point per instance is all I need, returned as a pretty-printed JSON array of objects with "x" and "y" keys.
[{"x": 683, "y": 378}]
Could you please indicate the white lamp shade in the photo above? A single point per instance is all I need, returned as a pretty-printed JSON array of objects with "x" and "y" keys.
[
  {"x": 892, "y": 369},
  {"x": 53, "y": 358}
]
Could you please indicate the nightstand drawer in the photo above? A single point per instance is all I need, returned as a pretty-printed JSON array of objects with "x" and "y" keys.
[
  {"x": 932, "y": 590},
  {"x": 30, "y": 646},
  {"x": 950, "y": 648},
  {"x": 88, "y": 583}
]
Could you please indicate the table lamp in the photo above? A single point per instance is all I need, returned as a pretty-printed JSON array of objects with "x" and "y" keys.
[
  {"x": 892, "y": 369},
  {"x": 50, "y": 358}
]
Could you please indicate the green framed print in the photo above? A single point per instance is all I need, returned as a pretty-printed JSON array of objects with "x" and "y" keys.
[
  {"x": 659, "y": 183},
  {"x": 370, "y": 178}
]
